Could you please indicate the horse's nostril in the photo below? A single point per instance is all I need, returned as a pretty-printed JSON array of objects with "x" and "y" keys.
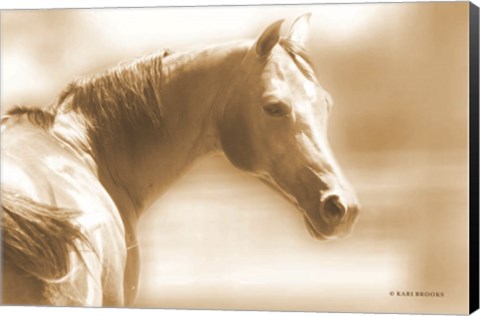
[{"x": 333, "y": 209}]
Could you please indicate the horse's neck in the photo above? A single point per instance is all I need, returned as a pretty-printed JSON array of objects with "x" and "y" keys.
[{"x": 192, "y": 97}]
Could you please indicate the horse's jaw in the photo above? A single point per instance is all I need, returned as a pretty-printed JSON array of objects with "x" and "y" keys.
[{"x": 312, "y": 231}]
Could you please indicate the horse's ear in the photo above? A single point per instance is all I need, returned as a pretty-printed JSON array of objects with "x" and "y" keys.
[
  {"x": 268, "y": 39},
  {"x": 300, "y": 28},
  {"x": 166, "y": 52}
]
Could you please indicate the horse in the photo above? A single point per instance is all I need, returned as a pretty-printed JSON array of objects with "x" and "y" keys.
[{"x": 77, "y": 175}]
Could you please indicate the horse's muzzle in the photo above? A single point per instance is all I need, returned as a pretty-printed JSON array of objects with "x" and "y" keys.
[{"x": 337, "y": 218}]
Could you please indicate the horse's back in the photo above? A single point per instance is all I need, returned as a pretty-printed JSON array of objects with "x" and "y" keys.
[{"x": 36, "y": 166}]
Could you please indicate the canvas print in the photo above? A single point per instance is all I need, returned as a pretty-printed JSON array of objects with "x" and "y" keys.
[{"x": 282, "y": 157}]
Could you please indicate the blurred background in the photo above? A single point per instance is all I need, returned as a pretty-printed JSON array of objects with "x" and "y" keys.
[{"x": 220, "y": 239}]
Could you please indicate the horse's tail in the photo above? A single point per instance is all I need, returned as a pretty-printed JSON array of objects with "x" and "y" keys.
[{"x": 37, "y": 238}]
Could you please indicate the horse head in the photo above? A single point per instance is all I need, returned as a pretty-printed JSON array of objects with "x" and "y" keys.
[{"x": 274, "y": 125}]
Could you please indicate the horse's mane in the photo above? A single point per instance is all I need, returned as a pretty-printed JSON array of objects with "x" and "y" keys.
[
  {"x": 37, "y": 238},
  {"x": 38, "y": 116},
  {"x": 128, "y": 94},
  {"x": 300, "y": 57}
]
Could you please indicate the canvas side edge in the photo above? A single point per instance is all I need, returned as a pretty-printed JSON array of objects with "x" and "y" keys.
[{"x": 474, "y": 156}]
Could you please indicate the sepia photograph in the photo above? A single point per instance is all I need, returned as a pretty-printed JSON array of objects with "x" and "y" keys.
[{"x": 292, "y": 157}]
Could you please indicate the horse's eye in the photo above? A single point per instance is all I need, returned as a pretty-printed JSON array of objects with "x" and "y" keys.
[{"x": 277, "y": 109}]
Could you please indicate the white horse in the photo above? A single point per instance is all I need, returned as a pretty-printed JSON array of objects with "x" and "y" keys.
[{"x": 78, "y": 176}]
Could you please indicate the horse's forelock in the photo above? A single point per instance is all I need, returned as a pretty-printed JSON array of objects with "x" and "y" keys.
[{"x": 300, "y": 57}]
